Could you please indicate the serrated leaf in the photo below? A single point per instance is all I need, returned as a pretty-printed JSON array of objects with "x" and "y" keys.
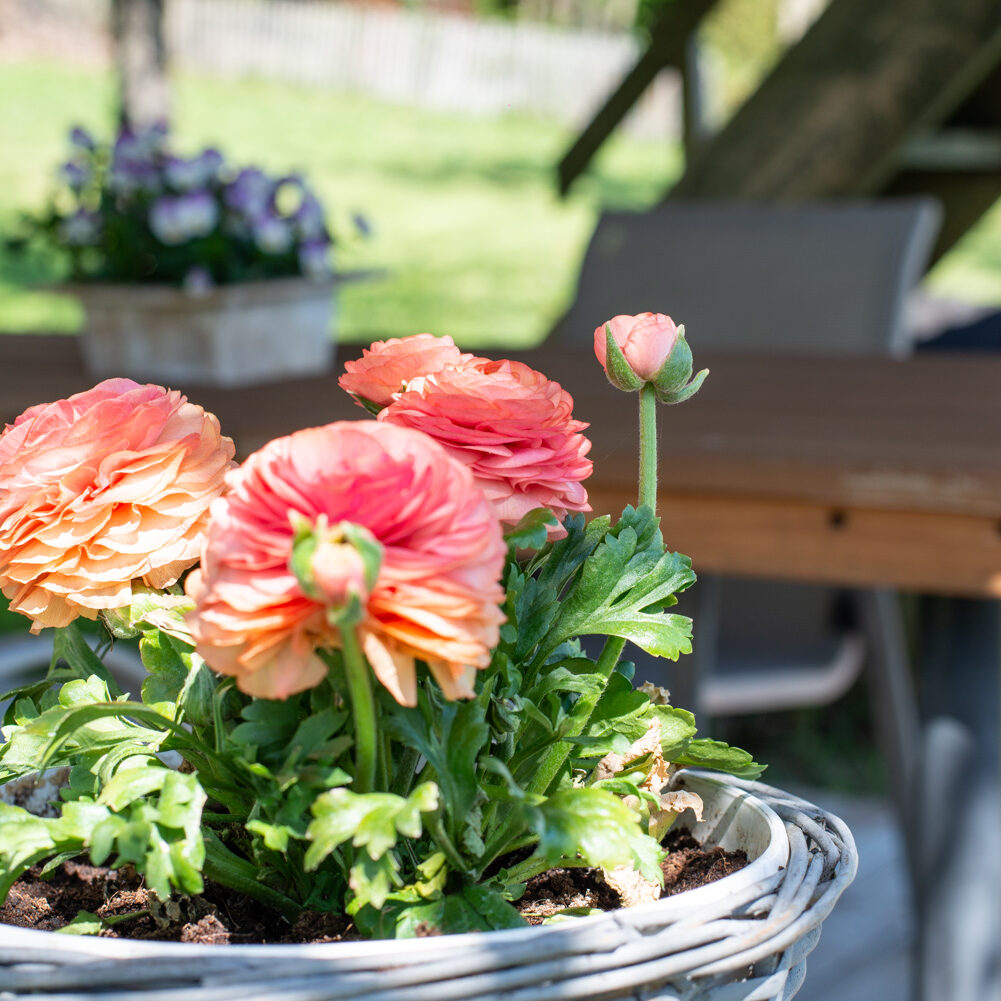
[
  {"x": 599, "y": 828},
  {"x": 275, "y": 836},
  {"x": 372, "y": 880},
  {"x": 369, "y": 820},
  {"x": 451, "y": 749},
  {"x": 532, "y": 530},
  {"x": 268, "y": 722},
  {"x": 560, "y": 679},
  {"x": 623, "y": 588}
]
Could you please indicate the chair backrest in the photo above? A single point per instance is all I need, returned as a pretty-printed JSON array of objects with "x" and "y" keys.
[{"x": 816, "y": 278}]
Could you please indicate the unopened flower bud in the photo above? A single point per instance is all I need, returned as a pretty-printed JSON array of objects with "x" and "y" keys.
[
  {"x": 337, "y": 566},
  {"x": 647, "y": 349}
]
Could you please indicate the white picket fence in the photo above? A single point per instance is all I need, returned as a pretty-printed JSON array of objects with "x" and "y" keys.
[{"x": 430, "y": 60}]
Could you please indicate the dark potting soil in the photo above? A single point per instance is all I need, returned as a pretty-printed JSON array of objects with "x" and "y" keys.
[
  {"x": 688, "y": 865},
  {"x": 220, "y": 916}
]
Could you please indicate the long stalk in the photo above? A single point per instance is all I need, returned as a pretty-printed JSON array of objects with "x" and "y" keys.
[
  {"x": 228, "y": 869},
  {"x": 648, "y": 447},
  {"x": 362, "y": 709}
]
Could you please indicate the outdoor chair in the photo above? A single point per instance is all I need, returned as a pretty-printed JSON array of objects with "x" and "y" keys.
[{"x": 821, "y": 278}]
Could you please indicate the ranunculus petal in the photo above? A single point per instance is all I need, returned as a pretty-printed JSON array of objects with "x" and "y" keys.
[
  {"x": 511, "y": 425},
  {"x": 438, "y": 589},
  {"x": 386, "y": 367},
  {"x": 108, "y": 486}
]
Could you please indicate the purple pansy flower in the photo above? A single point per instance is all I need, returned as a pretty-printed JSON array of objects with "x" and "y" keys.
[
  {"x": 314, "y": 259},
  {"x": 272, "y": 234},
  {"x": 75, "y": 175},
  {"x": 250, "y": 192},
  {"x": 80, "y": 137},
  {"x": 310, "y": 223},
  {"x": 188, "y": 174},
  {"x": 177, "y": 219}
]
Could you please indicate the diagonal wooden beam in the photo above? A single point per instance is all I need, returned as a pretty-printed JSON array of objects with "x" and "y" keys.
[
  {"x": 668, "y": 40},
  {"x": 833, "y": 116}
]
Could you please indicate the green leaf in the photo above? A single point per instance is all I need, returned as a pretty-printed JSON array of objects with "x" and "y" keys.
[
  {"x": 275, "y": 836},
  {"x": 269, "y": 722},
  {"x": 451, "y": 748},
  {"x": 373, "y": 880},
  {"x": 721, "y": 757},
  {"x": 70, "y": 645},
  {"x": 180, "y": 684},
  {"x": 84, "y": 923},
  {"x": 677, "y": 728},
  {"x": 491, "y": 908},
  {"x": 599, "y": 828},
  {"x": 24, "y": 840},
  {"x": 532, "y": 530},
  {"x": 560, "y": 679},
  {"x": 624, "y": 587},
  {"x": 313, "y": 736},
  {"x": 369, "y": 820}
]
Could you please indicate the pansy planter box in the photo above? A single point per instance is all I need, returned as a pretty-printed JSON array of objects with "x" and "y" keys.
[
  {"x": 745, "y": 937},
  {"x": 228, "y": 335}
]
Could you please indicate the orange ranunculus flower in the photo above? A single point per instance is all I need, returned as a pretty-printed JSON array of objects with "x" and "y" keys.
[
  {"x": 386, "y": 367},
  {"x": 437, "y": 593},
  {"x": 109, "y": 486},
  {"x": 511, "y": 425}
]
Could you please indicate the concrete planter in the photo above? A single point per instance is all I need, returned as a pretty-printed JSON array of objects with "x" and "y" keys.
[
  {"x": 743, "y": 938},
  {"x": 231, "y": 335}
]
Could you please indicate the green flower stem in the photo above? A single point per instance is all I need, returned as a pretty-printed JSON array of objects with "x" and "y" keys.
[
  {"x": 548, "y": 772},
  {"x": 403, "y": 775},
  {"x": 432, "y": 821},
  {"x": 224, "y": 867},
  {"x": 648, "y": 447},
  {"x": 363, "y": 710}
]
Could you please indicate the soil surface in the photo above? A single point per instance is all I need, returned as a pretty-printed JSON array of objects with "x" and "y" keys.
[
  {"x": 220, "y": 916},
  {"x": 688, "y": 865}
]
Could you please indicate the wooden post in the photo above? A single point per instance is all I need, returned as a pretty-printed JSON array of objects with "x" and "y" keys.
[{"x": 141, "y": 60}]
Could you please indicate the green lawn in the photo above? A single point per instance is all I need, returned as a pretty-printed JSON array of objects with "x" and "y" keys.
[
  {"x": 466, "y": 222},
  {"x": 464, "y": 214}
]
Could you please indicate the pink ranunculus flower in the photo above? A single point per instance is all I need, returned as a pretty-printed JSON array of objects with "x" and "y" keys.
[
  {"x": 646, "y": 340},
  {"x": 512, "y": 426},
  {"x": 109, "y": 486},
  {"x": 386, "y": 367},
  {"x": 437, "y": 593}
]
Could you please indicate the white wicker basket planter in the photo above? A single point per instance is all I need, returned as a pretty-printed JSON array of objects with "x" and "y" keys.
[
  {"x": 231, "y": 335},
  {"x": 744, "y": 938}
]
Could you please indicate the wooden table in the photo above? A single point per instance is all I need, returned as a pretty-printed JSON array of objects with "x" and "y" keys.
[
  {"x": 865, "y": 473},
  {"x": 850, "y": 471}
]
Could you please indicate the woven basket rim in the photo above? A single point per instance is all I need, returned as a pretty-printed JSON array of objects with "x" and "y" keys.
[{"x": 686, "y": 901}]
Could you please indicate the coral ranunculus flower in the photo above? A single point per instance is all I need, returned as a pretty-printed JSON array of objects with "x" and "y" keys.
[
  {"x": 512, "y": 426},
  {"x": 109, "y": 486},
  {"x": 387, "y": 367},
  {"x": 437, "y": 593},
  {"x": 646, "y": 341}
]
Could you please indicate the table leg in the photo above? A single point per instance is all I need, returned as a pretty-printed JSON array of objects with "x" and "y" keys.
[{"x": 958, "y": 802}]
